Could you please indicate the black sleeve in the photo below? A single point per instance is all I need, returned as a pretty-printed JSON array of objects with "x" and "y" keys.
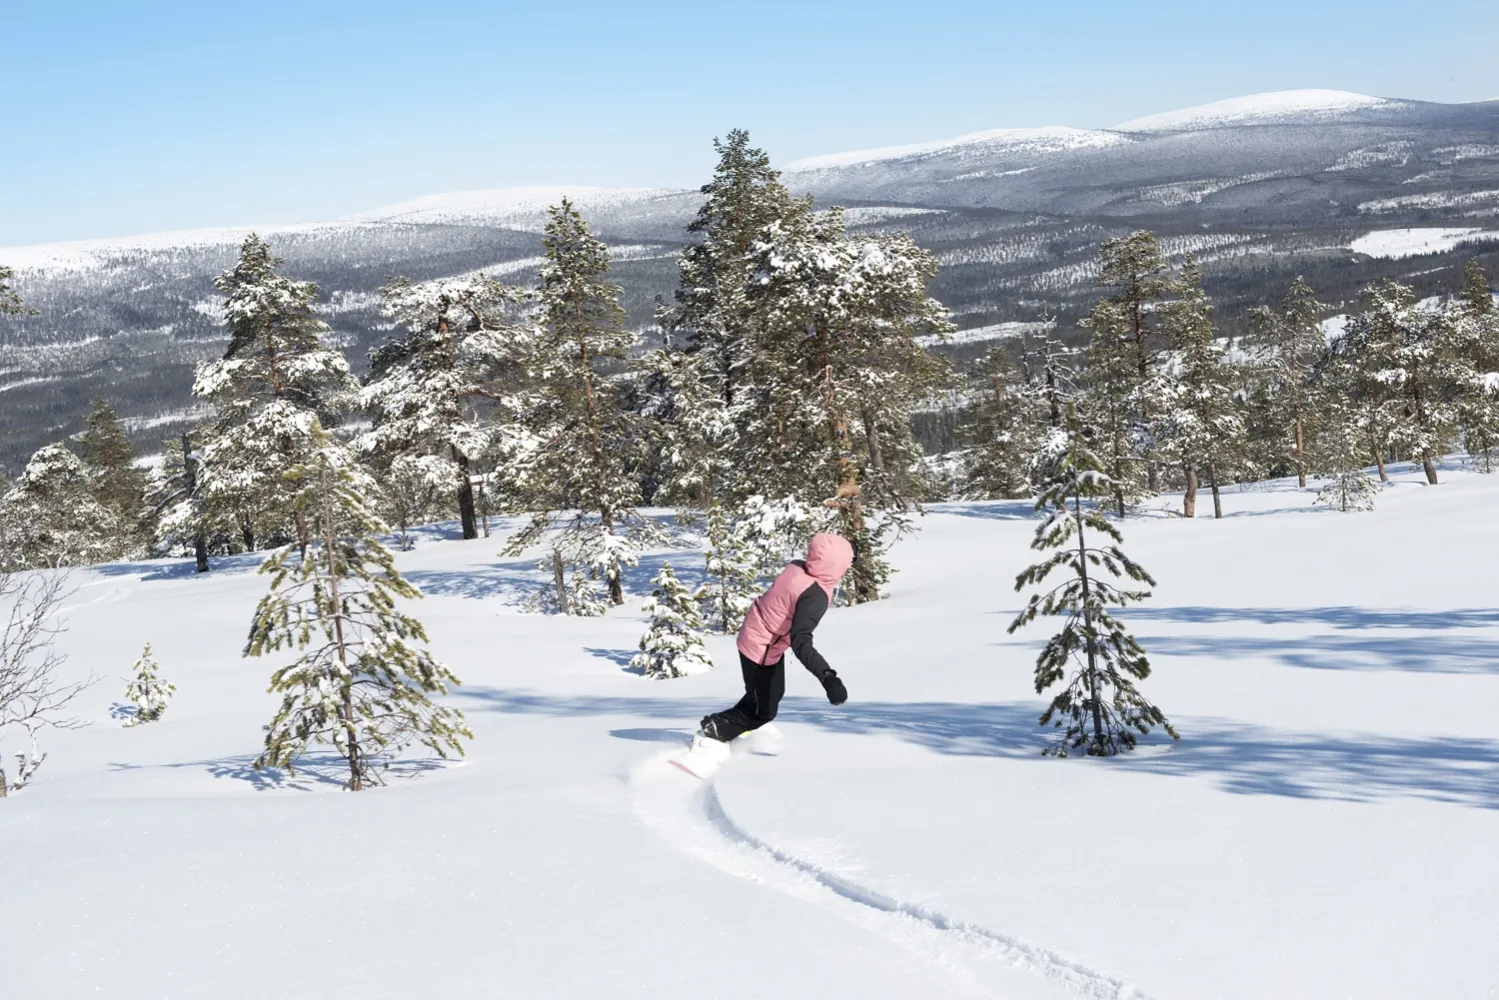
[{"x": 810, "y": 608}]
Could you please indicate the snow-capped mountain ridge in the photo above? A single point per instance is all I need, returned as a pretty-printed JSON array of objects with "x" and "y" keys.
[
  {"x": 1047, "y": 139},
  {"x": 1282, "y": 106}
]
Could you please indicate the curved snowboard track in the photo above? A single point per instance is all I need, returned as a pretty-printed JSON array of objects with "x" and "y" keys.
[{"x": 985, "y": 963}]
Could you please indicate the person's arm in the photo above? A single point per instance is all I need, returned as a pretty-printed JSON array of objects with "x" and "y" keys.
[{"x": 810, "y": 608}]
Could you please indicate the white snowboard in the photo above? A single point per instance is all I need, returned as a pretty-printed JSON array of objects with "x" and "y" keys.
[{"x": 705, "y": 756}]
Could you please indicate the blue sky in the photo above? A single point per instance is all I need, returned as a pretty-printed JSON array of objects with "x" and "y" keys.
[{"x": 123, "y": 118}]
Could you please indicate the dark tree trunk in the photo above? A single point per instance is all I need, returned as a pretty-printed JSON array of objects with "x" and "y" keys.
[
  {"x": 1431, "y": 469},
  {"x": 190, "y": 474},
  {"x": 559, "y": 574},
  {"x": 1213, "y": 481},
  {"x": 1300, "y": 453},
  {"x": 247, "y": 532},
  {"x": 1189, "y": 497},
  {"x": 465, "y": 495}
]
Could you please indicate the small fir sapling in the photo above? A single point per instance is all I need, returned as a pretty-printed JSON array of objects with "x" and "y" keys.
[
  {"x": 363, "y": 679},
  {"x": 147, "y": 691},
  {"x": 672, "y": 645},
  {"x": 1100, "y": 707}
]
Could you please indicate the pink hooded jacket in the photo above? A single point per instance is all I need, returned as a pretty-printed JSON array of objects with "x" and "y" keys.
[{"x": 766, "y": 633}]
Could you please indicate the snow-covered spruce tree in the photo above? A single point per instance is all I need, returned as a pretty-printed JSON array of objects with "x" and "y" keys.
[
  {"x": 1478, "y": 298},
  {"x": 147, "y": 691},
  {"x": 1292, "y": 343},
  {"x": 110, "y": 459},
  {"x": 363, "y": 677},
  {"x": 672, "y": 645},
  {"x": 837, "y": 375},
  {"x": 52, "y": 516},
  {"x": 1410, "y": 352},
  {"x": 1107, "y": 399},
  {"x": 694, "y": 427},
  {"x": 1136, "y": 267},
  {"x": 1005, "y": 430},
  {"x": 1049, "y": 367},
  {"x": 730, "y": 578},
  {"x": 174, "y": 507},
  {"x": 712, "y": 319},
  {"x": 1100, "y": 706},
  {"x": 414, "y": 489},
  {"x": 1475, "y": 324},
  {"x": 585, "y": 439},
  {"x": 276, "y": 379},
  {"x": 452, "y": 386},
  {"x": 1201, "y": 424},
  {"x": 10, "y": 299}
]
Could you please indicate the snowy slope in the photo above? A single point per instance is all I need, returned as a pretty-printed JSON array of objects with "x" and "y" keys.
[
  {"x": 1324, "y": 829},
  {"x": 1018, "y": 141},
  {"x": 1304, "y": 106}
]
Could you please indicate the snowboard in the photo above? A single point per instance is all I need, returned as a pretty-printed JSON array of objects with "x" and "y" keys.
[{"x": 706, "y": 756}]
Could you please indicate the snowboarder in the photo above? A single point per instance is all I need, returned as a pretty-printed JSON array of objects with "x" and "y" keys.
[{"x": 783, "y": 618}]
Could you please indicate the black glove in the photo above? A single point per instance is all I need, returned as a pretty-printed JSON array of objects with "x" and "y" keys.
[{"x": 837, "y": 693}]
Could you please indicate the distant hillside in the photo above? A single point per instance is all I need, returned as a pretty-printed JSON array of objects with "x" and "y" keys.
[{"x": 1341, "y": 187}]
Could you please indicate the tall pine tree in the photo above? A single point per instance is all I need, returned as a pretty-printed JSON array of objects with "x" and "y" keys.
[
  {"x": 277, "y": 378},
  {"x": 1294, "y": 344},
  {"x": 362, "y": 679},
  {"x": 453, "y": 385},
  {"x": 585, "y": 439}
]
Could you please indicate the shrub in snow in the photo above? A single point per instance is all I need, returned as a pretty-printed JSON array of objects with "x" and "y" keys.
[
  {"x": 673, "y": 642},
  {"x": 363, "y": 677},
  {"x": 31, "y": 698},
  {"x": 148, "y": 692},
  {"x": 1100, "y": 707}
]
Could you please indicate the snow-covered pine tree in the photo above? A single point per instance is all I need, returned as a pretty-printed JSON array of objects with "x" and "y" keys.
[
  {"x": 1100, "y": 706},
  {"x": 53, "y": 517},
  {"x": 110, "y": 459},
  {"x": 1201, "y": 424},
  {"x": 1478, "y": 298},
  {"x": 413, "y": 489},
  {"x": 1004, "y": 432},
  {"x": 10, "y": 299},
  {"x": 672, "y": 645},
  {"x": 1475, "y": 324},
  {"x": 712, "y": 319},
  {"x": 277, "y": 377},
  {"x": 730, "y": 581},
  {"x": 363, "y": 677},
  {"x": 1410, "y": 351},
  {"x": 1049, "y": 367},
  {"x": 585, "y": 439},
  {"x": 1112, "y": 384},
  {"x": 1344, "y": 440},
  {"x": 453, "y": 385},
  {"x": 174, "y": 511},
  {"x": 1136, "y": 267},
  {"x": 1293, "y": 343},
  {"x": 695, "y": 427},
  {"x": 837, "y": 317},
  {"x": 147, "y": 691}
]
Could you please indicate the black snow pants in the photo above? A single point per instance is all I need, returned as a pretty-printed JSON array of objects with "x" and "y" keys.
[{"x": 763, "y": 688}]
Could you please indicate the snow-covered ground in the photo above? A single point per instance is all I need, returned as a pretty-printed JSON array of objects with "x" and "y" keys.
[
  {"x": 1397, "y": 243},
  {"x": 1325, "y": 828}
]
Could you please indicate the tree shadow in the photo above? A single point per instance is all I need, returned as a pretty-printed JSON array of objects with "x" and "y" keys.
[
  {"x": 155, "y": 570},
  {"x": 989, "y": 510},
  {"x": 619, "y": 657},
  {"x": 1239, "y": 758},
  {"x": 509, "y": 582},
  {"x": 1343, "y": 617},
  {"x": 313, "y": 771},
  {"x": 121, "y": 712},
  {"x": 1429, "y": 654}
]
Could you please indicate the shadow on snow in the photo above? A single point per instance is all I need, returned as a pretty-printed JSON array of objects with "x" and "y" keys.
[{"x": 1242, "y": 759}]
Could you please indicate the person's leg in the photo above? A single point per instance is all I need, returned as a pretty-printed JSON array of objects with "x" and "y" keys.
[{"x": 763, "y": 688}]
